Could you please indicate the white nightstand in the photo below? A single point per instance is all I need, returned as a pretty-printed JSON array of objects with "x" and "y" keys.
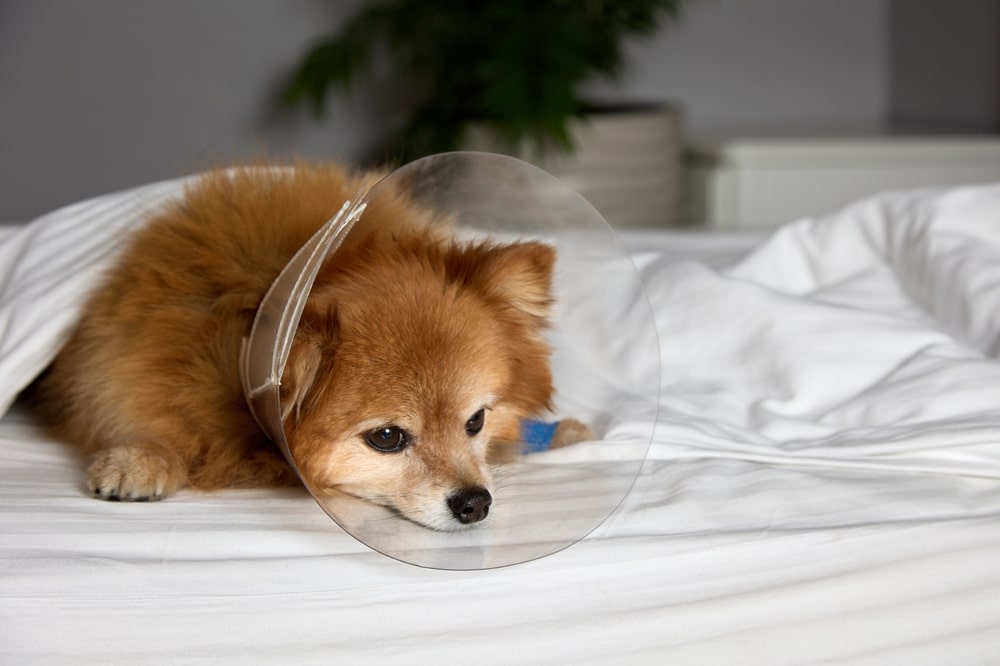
[{"x": 755, "y": 183}]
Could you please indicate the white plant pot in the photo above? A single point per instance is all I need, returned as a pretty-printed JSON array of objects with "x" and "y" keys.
[{"x": 625, "y": 163}]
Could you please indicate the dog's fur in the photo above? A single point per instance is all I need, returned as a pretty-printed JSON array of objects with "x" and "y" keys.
[{"x": 404, "y": 328}]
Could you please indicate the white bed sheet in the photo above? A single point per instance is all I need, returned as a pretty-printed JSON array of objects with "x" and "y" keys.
[{"x": 823, "y": 487}]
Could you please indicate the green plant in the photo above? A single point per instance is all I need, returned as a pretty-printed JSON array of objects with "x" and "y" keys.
[{"x": 513, "y": 66}]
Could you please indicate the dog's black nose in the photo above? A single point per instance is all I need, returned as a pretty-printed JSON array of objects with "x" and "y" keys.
[{"x": 470, "y": 505}]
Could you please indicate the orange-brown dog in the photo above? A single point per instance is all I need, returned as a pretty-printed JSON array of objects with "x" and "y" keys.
[{"x": 416, "y": 358}]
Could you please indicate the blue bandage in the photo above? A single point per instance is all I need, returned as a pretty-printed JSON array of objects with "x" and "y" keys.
[{"x": 537, "y": 435}]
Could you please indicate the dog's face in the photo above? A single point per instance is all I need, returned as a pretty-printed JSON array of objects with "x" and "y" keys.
[{"x": 411, "y": 370}]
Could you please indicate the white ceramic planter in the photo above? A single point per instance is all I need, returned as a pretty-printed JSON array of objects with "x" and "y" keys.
[{"x": 626, "y": 163}]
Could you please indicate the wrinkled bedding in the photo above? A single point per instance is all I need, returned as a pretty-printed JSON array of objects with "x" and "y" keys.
[{"x": 822, "y": 485}]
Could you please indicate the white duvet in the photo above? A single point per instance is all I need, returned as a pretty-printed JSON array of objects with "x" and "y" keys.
[
  {"x": 868, "y": 338},
  {"x": 823, "y": 483}
]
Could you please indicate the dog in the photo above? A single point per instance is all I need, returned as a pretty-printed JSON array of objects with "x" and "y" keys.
[{"x": 415, "y": 361}]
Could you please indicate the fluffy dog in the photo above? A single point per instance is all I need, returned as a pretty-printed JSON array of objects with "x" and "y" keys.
[{"x": 415, "y": 360}]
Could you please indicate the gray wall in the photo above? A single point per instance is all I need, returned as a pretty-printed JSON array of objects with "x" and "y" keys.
[
  {"x": 99, "y": 95},
  {"x": 770, "y": 65},
  {"x": 945, "y": 65}
]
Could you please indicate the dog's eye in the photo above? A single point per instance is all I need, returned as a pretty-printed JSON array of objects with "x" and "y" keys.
[
  {"x": 388, "y": 439},
  {"x": 475, "y": 424}
]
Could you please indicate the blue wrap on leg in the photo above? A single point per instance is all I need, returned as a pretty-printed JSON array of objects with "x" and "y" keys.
[{"x": 537, "y": 435}]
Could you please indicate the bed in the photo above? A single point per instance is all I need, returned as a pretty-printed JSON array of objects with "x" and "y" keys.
[{"x": 822, "y": 485}]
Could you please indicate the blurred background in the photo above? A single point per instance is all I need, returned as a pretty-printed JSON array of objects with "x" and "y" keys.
[{"x": 102, "y": 95}]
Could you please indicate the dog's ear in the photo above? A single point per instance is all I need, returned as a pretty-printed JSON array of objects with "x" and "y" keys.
[
  {"x": 518, "y": 279},
  {"x": 312, "y": 352},
  {"x": 301, "y": 371},
  {"x": 519, "y": 274}
]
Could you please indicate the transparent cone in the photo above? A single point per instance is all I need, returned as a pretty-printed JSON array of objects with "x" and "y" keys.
[{"x": 542, "y": 501}]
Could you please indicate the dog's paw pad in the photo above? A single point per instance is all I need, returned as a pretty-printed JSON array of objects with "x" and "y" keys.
[
  {"x": 571, "y": 431},
  {"x": 132, "y": 474}
]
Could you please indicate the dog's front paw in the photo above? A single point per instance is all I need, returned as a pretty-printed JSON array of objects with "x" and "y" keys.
[
  {"x": 133, "y": 474},
  {"x": 571, "y": 431}
]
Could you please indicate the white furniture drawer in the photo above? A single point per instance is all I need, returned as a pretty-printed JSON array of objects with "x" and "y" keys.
[{"x": 762, "y": 183}]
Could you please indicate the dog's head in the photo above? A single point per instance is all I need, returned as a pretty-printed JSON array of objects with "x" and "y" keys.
[{"x": 411, "y": 370}]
